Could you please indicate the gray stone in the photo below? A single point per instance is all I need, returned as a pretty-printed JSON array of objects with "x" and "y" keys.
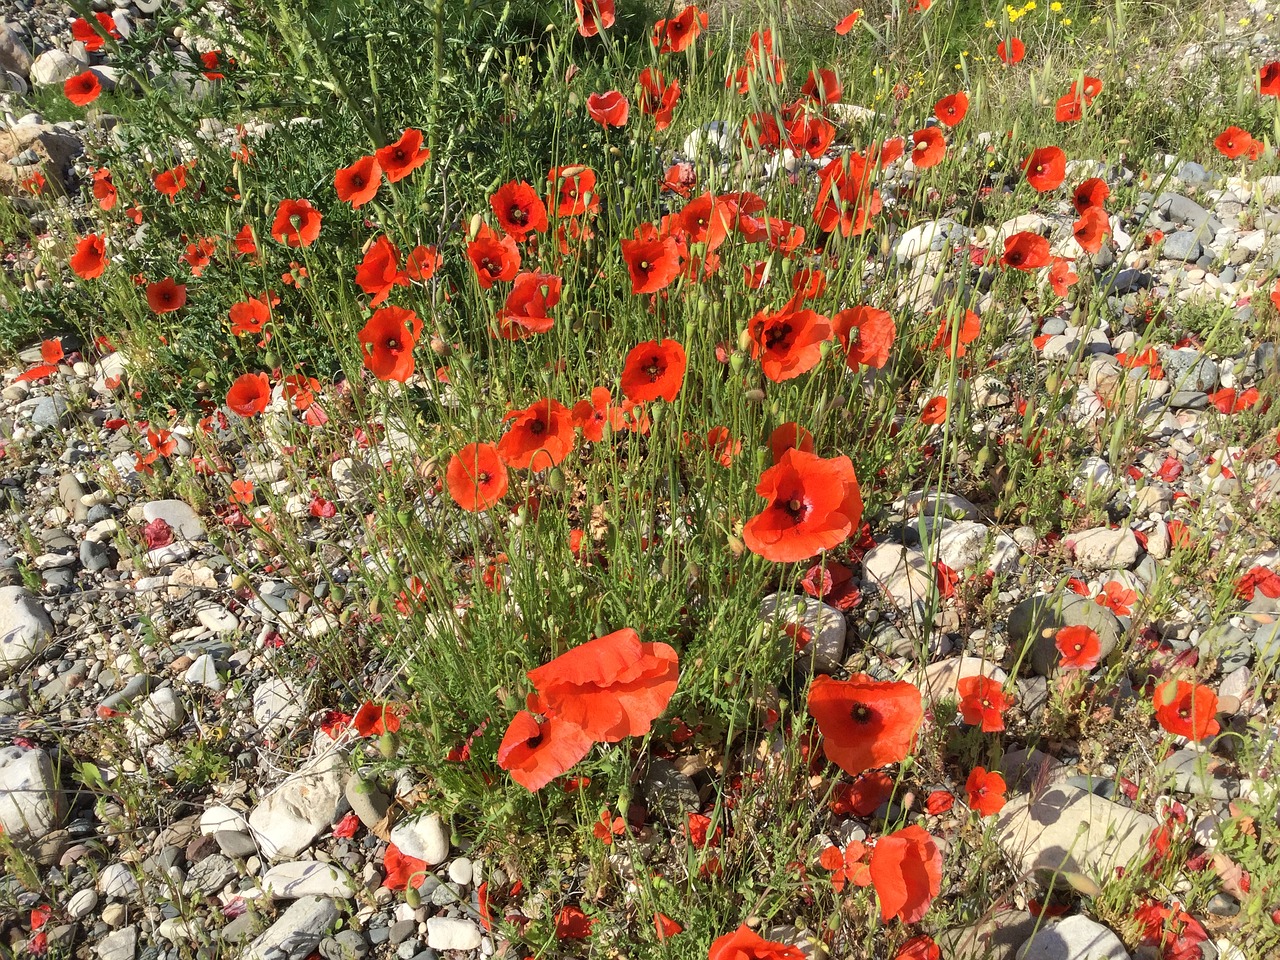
[
  {"x": 994, "y": 938},
  {"x": 235, "y": 844},
  {"x": 1187, "y": 770},
  {"x": 1126, "y": 281},
  {"x": 14, "y": 54},
  {"x": 178, "y": 515},
  {"x": 1075, "y": 938},
  {"x": 52, "y": 67},
  {"x": 307, "y": 878},
  {"x": 117, "y": 882},
  {"x": 423, "y": 837},
  {"x": 289, "y": 818},
  {"x": 365, "y": 799},
  {"x": 1192, "y": 172},
  {"x": 449, "y": 933},
  {"x": 25, "y": 628},
  {"x": 212, "y": 874},
  {"x": 1034, "y": 624},
  {"x": 297, "y": 932},
  {"x": 1182, "y": 245},
  {"x": 82, "y": 903},
  {"x": 155, "y": 718},
  {"x": 1187, "y": 369},
  {"x": 50, "y": 412},
  {"x": 669, "y": 792},
  {"x": 120, "y": 945},
  {"x": 30, "y": 802},
  {"x": 344, "y": 945},
  {"x": 824, "y": 628},
  {"x": 1186, "y": 211},
  {"x": 1223, "y": 905},
  {"x": 1102, "y": 548}
]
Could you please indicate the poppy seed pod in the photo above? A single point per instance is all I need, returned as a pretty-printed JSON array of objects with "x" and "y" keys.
[{"x": 754, "y": 394}]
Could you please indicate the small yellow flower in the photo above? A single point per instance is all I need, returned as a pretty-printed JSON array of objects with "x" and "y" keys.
[
  {"x": 1243, "y": 21},
  {"x": 1066, "y": 21},
  {"x": 991, "y": 24},
  {"x": 1056, "y": 7},
  {"x": 1031, "y": 5}
]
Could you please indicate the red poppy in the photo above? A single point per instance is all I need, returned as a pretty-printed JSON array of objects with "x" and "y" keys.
[
  {"x": 1091, "y": 229},
  {"x": 849, "y": 865},
  {"x": 814, "y": 504},
  {"x": 950, "y": 110},
  {"x": 422, "y": 264},
  {"x": 250, "y": 394},
  {"x": 760, "y": 131},
  {"x": 592, "y": 416},
  {"x": 938, "y": 802},
  {"x": 1079, "y": 646},
  {"x": 906, "y": 869},
  {"x": 358, "y": 183},
  {"x": 680, "y": 178},
  {"x": 297, "y": 223},
  {"x": 957, "y": 336},
  {"x": 1233, "y": 142},
  {"x": 1061, "y": 276},
  {"x": 379, "y": 271},
  {"x": 722, "y": 445},
  {"x": 573, "y": 190},
  {"x": 1068, "y": 109},
  {"x": 249, "y": 316},
  {"x": 594, "y": 16},
  {"x": 401, "y": 158},
  {"x": 402, "y": 870},
  {"x": 845, "y": 25},
  {"x": 1117, "y": 597},
  {"x": 199, "y": 255},
  {"x": 1026, "y": 251},
  {"x": 375, "y": 719},
  {"x": 166, "y": 296},
  {"x": 986, "y": 791},
  {"x": 104, "y": 191},
  {"x": 983, "y": 702},
  {"x": 654, "y": 370},
  {"x": 1046, "y": 168},
  {"x": 865, "y": 723},
  {"x": 609, "y": 109},
  {"x": 929, "y": 148},
  {"x": 1186, "y": 709},
  {"x": 93, "y": 41},
  {"x": 519, "y": 209},
  {"x": 1012, "y": 52},
  {"x": 90, "y": 258},
  {"x": 788, "y": 342},
  {"x": 611, "y": 687},
  {"x": 708, "y": 220},
  {"x": 244, "y": 241},
  {"x": 1258, "y": 579},
  {"x": 573, "y": 924},
  {"x": 83, "y": 88},
  {"x": 920, "y": 947},
  {"x": 810, "y": 135},
  {"x": 1269, "y": 79},
  {"x": 846, "y": 199},
  {"x": 1228, "y": 401},
  {"x": 789, "y": 436},
  {"x": 658, "y": 96},
  {"x": 675, "y": 35},
  {"x": 171, "y": 182},
  {"x": 1086, "y": 89},
  {"x": 1092, "y": 193},
  {"x": 492, "y": 257},
  {"x": 745, "y": 944},
  {"x": 541, "y": 435},
  {"x": 476, "y": 477},
  {"x": 665, "y": 926},
  {"x": 525, "y": 311},
  {"x": 934, "y": 412},
  {"x": 535, "y": 751},
  {"x": 387, "y": 340}
]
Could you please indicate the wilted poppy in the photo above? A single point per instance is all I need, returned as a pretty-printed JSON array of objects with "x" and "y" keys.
[
  {"x": 171, "y": 182},
  {"x": 519, "y": 209},
  {"x": 1186, "y": 709},
  {"x": 402, "y": 870},
  {"x": 525, "y": 312},
  {"x": 250, "y": 394},
  {"x": 654, "y": 370},
  {"x": 387, "y": 340},
  {"x": 82, "y": 89},
  {"x": 983, "y": 702},
  {"x": 594, "y": 16},
  {"x": 847, "y": 24},
  {"x": 492, "y": 257},
  {"x": 611, "y": 687},
  {"x": 950, "y": 110},
  {"x": 476, "y": 477},
  {"x": 986, "y": 791},
  {"x": 1026, "y": 251},
  {"x": 1079, "y": 646},
  {"x": 1091, "y": 229},
  {"x": 1091, "y": 193},
  {"x": 814, "y": 504},
  {"x": 401, "y": 158},
  {"x": 535, "y": 751},
  {"x": 665, "y": 926},
  {"x": 1046, "y": 168},
  {"x": 906, "y": 870},
  {"x": 929, "y": 147},
  {"x": 166, "y": 296},
  {"x": 379, "y": 271},
  {"x": 865, "y": 723},
  {"x": 297, "y": 223},
  {"x": 1011, "y": 52},
  {"x": 358, "y": 183},
  {"x": 787, "y": 342},
  {"x": 90, "y": 258},
  {"x": 658, "y": 96},
  {"x": 249, "y": 316},
  {"x": 745, "y": 944},
  {"x": 540, "y": 436},
  {"x": 609, "y": 109}
]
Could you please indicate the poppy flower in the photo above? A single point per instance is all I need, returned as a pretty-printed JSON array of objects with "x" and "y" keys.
[
  {"x": 1046, "y": 168},
  {"x": 1258, "y": 579},
  {"x": 387, "y": 340},
  {"x": 492, "y": 257},
  {"x": 1118, "y": 598},
  {"x": 1269, "y": 79},
  {"x": 541, "y": 435},
  {"x": 476, "y": 477},
  {"x": 592, "y": 416},
  {"x": 525, "y": 311},
  {"x": 297, "y": 223},
  {"x": 865, "y": 723},
  {"x": 104, "y": 191},
  {"x": 665, "y": 926},
  {"x": 846, "y": 199},
  {"x": 379, "y": 271},
  {"x": 847, "y": 24},
  {"x": 573, "y": 924},
  {"x": 171, "y": 182},
  {"x": 90, "y": 258},
  {"x": 929, "y": 148},
  {"x": 375, "y": 719},
  {"x": 822, "y": 86},
  {"x": 422, "y": 263},
  {"x": 250, "y": 394},
  {"x": 675, "y": 35},
  {"x": 82, "y": 89},
  {"x": 594, "y": 16},
  {"x": 906, "y": 870},
  {"x": 787, "y": 342},
  {"x": 745, "y": 944},
  {"x": 760, "y": 131},
  {"x": 519, "y": 209},
  {"x": 654, "y": 370},
  {"x": 934, "y": 412},
  {"x": 814, "y": 504},
  {"x": 1061, "y": 276},
  {"x": 1068, "y": 109},
  {"x": 708, "y": 220},
  {"x": 244, "y": 241},
  {"x": 535, "y": 751},
  {"x": 920, "y": 947},
  {"x": 199, "y": 255},
  {"x": 983, "y": 702},
  {"x": 789, "y": 436},
  {"x": 402, "y": 870},
  {"x": 810, "y": 135},
  {"x": 611, "y": 687},
  {"x": 1026, "y": 251},
  {"x": 1233, "y": 142},
  {"x": 1091, "y": 229},
  {"x": 166, "y": 296},
  {"x": 1011, "y": 52},
  {"x": 1087, "y": 88},
  {"x": 358, "y": 183},
  {"x": 938, "y": 802},
  {"x": 950, "y": 110},
  {"x": 848, "y": 865},
  {"x": 950, "y": 338},
  {"x": 658, "y": 97},
  {"x": 680, "y": 178},
  {"x": 1228, "y": 401},
  {"x": 93, "y": 41},
  {"x": 1186, "y": 709},
  {"x": 249, "y": 316},
  {"x": 1091, "y": 193},
  {"x": 986, "y": 791},
  {"x": 722, "y": 445},
  {"x": 573, "y": 190},
  {"x": 51, "y": 351},
  {"x": 609, "y": 109},
  {"x": 401, "y": 158},
  {"x": 1079, "y": 646}
]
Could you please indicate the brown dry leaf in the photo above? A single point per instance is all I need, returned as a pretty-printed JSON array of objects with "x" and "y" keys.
[{"x": 1231, "y": 875}]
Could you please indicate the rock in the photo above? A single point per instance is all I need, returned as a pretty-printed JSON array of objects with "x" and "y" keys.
[
  {"x": 120, "y": 945},
  {"x": 215, "y": 617},
  {"x": 1075, "y": 938},
  {"x": 53, "y": 149},
  {"x": 178, "y": 515},
  {"x": 424, "y": 837},
  {"x": 30, "y": 802},
  {"x": 1034, "y": 623},
  {"x": 117, "y": 882},
  {"x": 14, "y": 54},
  {"x": 344, "y": 945},
  {"x": 236, "y": 844},
  {"x": 1186, "y": 211},
  {"x": 995, "y": 938},
  {"x": 1071, "y": 831},
  {"x": 307, "y": 878},
  {"x": 1126, "y": 281},
  {"x": 1188, "y": 771},
  {"x": 96, "y": 556},
  {"x": 817, "y": 630},
  {"x": 277, "y": 703},
  {"x": 928, "y": 503},
  {"x": 25, "y": 628},
  {"x": 1102, "y": 548},
  {"x": 53, "y": 66},
  {"x": 82, "y": 903},
  {"x": 297, "y": 932},
  {"x": 461, "y": 871},
  {"x": 155, "y": 718},
  {"x": 668, "y": 792},
  {"x": 212, "y": 874},
  {"x": 900, "y": 572},
  {"x": 1187, "y": 369},
  {"x": 919, "y": 238},
  {"x": 203, "y": 671},
  {"x": 1182, "y": 245},
  {"x": 218, "y": 817},
  {"x": 449, "y": 933},
  {"x": 939, "y": 681},
  {"x": 1223, "y": 905},
  {"x": 366, "y": 801},
  {"x": 289, "y": 818}
]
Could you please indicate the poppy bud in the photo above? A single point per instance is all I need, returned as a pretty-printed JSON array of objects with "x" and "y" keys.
[
  {"x": 521, "y": 517},
  {"x": 985, "y": 456},
  {"x": 825, "y": 349},
  {"x": 439, "y": 347},
  {"x": 1215, "y": 470},
  {"x": 1052, "y": 383},
  {"x": 655, "y": 413},
  {"x": 464, "y": 361},
  {"x": 574, "y": 100},
  {"x": 272, "y": 359},
  {"x": 744, "y": 340},
  {"x": 387, "y": 744},
  {"x": 691, "y": 328},
  {"x": 412, "y": 897},
  {"x": 617, "y": 153},
  {"x": 555, "y": 480},
  {"x": 474, "y": 227},
  {"x": 755, "y": 395},
  {"x": 737, "y": 361}
]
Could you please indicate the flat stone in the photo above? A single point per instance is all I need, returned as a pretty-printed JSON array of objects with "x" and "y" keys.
[
  {"x": 178, "y": 515},
  {"x": 423, "y": 837},
  {"x": 212, "y": 873},
  {"x": 940, "y": 681},
  {"x": 994, "y": 938},
  {"x": 25, "y": 628},
  {"x": 1074, "y": 938},
  {"x": 289, "y": 818},
  {"x": 366, "y": 801},
  {"x": 297, "y": 932},
  {"x": 30, "y": 801},
  {"x": 450, "y": 933},
  {"x": 823, "y": 627},
  {"x": 1034, "y": 623},
  {"x": 1102, "y": 548},
  {"x": 119, "y": 945},
  {"x": 902, "y": 573},
  {"x": 279, "y": 702},
  {"x": 1187, "y": 770},
  {"x": 82, "y": 903},
  {"x": 307, "y": 878},
  {"x": 116, "y": 881},
  {"x": 219, "y": 817}
]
